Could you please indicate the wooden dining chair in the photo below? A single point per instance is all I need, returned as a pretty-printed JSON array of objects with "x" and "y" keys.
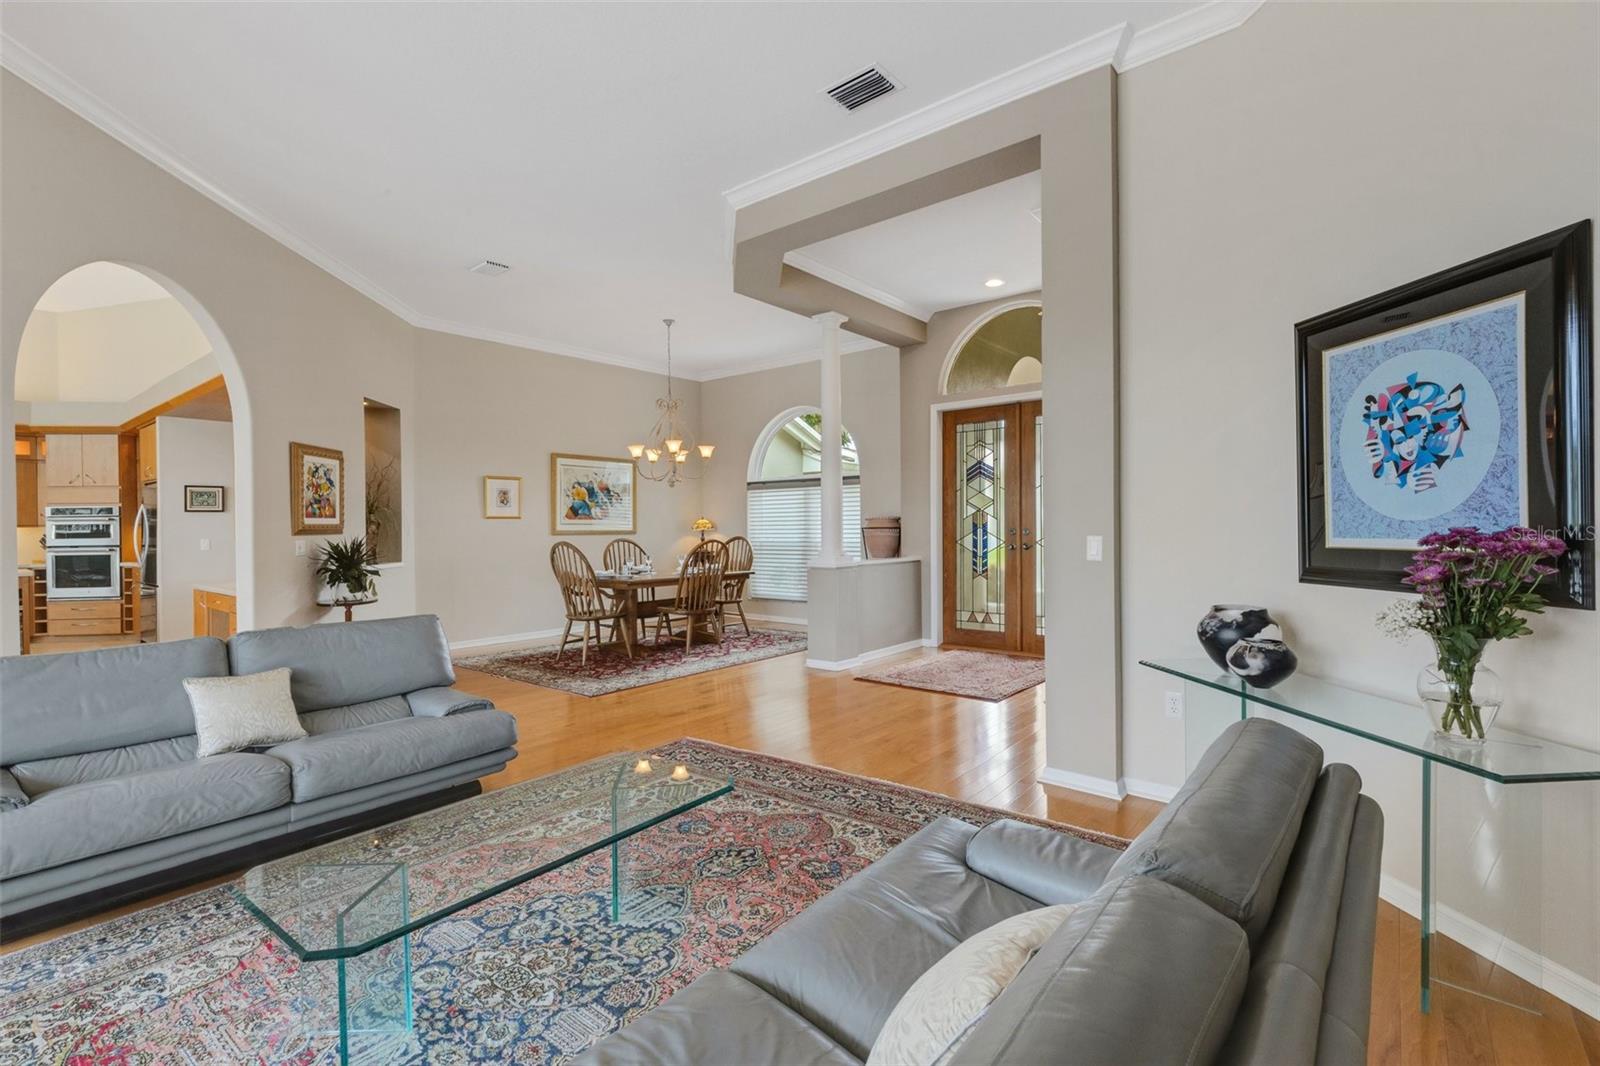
[
  {"x": 699, "y": 594},
  {"x": 741, "y": 559},
  {"x": 585, "y": 602},
  {"x": 621, "y": 552}
]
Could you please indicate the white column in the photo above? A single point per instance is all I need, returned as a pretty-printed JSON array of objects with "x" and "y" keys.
[{"x": 832, "y": 553}]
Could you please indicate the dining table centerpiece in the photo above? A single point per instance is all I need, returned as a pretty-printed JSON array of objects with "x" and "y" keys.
[{"x": 1474, "y": 588}]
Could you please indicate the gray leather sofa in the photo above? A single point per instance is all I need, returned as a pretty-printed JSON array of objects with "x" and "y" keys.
[
  {"x": 1237, "y": 928},
  {"x": 102, "y": 798}
]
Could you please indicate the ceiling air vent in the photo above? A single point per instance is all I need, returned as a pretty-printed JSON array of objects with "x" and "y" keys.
[
  {"x": 489, "y": 268},
  {"x": 862, "y": 88}
]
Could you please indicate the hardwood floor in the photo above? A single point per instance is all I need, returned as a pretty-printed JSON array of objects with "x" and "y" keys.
[{"x": 985, "y": 753}]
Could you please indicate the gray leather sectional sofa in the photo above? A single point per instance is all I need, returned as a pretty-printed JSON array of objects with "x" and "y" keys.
[
  {"x": 1237, "y": 928},
  {"x": 102, "y": 798}
]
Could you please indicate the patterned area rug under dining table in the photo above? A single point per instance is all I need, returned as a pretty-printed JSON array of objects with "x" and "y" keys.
[
  {"x": 610, "y": 670},
  {"x": 534, "y": 975}
]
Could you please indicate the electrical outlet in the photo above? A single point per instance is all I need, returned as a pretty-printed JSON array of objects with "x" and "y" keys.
[
  {"x": 299, "y": 547},
  {"x": 1174, "y": 704}
]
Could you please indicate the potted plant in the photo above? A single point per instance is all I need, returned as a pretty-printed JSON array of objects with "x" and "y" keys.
[
  {"x": 347, "y": 571},
  {"x": 1475, "y": 588}
]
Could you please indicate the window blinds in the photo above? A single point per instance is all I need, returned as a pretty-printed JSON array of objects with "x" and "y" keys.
[{"x": 783, "y": 520}]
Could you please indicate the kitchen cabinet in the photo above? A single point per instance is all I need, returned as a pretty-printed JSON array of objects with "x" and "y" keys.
[
  {"x": 83, "y": 618},
  {"x": 216, "y": 614},
  {"x": 80, "y": 468},
  {"x": 30, "y": 506},
  {"x": 147, "y": 454}
]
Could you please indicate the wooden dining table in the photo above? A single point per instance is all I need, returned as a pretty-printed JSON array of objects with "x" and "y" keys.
[{"x": 628, "y": 586}]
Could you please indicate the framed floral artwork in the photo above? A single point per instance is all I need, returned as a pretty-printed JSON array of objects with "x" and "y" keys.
[
  {"x": 590, "y": 494},
  {"x": 1462, "y": 399},
  {"x": 316, "y": 489},
  {"x": 502, "y": 496}
]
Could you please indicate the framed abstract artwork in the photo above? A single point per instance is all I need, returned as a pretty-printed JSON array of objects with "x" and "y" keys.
[
  {"x": 1461, "y": 399},
  {"x": 590, "y": 494},
  {"x": 202, "y": 497},
  {"x": 316, "y": 489},
  {"x": 502, "y": 496}
]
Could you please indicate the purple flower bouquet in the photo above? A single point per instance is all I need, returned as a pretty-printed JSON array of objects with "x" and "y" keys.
[{"x": 1475, "y": 588}]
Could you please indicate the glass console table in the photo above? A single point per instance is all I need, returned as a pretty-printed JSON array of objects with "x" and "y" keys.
[
  {"x": 345, "y": 908},
  {"x": 1481, "y": 893}
]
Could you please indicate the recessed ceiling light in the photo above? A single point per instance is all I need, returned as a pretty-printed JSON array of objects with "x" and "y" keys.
[{"x": 994, "y": 283}]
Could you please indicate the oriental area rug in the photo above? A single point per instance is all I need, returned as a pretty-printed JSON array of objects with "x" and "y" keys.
[
  {"x": 534, "y": 975},
  {"x": 610, "y": 670},
  {"x": 980, "y": 675}
]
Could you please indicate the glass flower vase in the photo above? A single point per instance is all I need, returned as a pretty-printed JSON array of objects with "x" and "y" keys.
[{"x": 1461, "y": 697}]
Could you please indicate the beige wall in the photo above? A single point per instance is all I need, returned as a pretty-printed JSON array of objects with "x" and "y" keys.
[
  {"x": 736, "y": 409},
  {"x": 486, "y": 408},
  {"x": 1318, "y": 154},
  {"x": 191, "y": 452},
  {"x": 105, "y": 354},
  {"x": 921, "y": 370},
  {"x": 299, "y": 348}
]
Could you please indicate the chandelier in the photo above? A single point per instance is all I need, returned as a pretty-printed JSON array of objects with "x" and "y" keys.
[{"x": 666, "y": 456}]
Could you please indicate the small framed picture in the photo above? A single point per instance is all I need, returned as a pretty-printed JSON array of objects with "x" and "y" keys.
[
  {"x": 202, "y": 497},
  {"x": 316, "y": 489},
  {"x": 502, "y": 496}
]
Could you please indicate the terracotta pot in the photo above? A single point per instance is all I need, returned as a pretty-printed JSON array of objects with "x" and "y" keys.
[{"x": 881, "y": 537}]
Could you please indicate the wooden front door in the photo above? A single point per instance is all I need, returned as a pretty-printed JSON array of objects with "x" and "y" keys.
[{"x": 993, "y": 579}]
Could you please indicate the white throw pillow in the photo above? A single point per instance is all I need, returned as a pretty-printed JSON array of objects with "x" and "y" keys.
[
  {"x": 940, "y": 1009},
  {"x": 231, "y": 713}
]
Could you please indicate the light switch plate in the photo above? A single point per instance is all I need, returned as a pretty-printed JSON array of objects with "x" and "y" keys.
[
  {"x": 299, "y": 547},
  {"x": 205, "y": 544},
  {"x": 1094, "y": 548}
]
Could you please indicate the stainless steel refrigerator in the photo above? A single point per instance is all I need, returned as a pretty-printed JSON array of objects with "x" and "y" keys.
[{"x": 144, "y": 542}]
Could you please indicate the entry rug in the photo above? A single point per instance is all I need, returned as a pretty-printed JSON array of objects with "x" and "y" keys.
[
  {"x": 980, "y": 675},
  {"x": 534, "y": 975},
  {"x": 610, "y": 670}
]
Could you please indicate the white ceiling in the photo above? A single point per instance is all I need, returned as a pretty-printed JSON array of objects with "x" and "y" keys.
[
  {"x": 587, "y": 145},
  {"x": 99, "y": 285},
  {"x": 941, "y": 255}
]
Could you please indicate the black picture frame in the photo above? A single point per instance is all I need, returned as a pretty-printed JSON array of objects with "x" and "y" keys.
[
  {"x": 188, "y": 498},
  {"x": 1555, "y": 271}
]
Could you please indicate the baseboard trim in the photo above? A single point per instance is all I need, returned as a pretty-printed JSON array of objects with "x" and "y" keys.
[
  {"x": 836, "y": 665},
  {"x": 1150, "y": 790},
  {"x": 775, "y": 618},
  {"x": 1566, "y": 985},
  {"x": 1095, "y": 786},
  {"x": 509, "y": 638}
]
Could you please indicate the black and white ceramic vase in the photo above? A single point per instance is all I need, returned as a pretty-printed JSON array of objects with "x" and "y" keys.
[
  {"x": 1262, "y": 661},
  {"x": 1227, "y": 624}
]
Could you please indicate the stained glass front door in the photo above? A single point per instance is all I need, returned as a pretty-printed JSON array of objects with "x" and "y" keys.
[{"x": 991, "y": 591}]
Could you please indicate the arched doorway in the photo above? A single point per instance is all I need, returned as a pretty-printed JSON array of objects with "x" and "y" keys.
[{"x": 128, "y": 413}]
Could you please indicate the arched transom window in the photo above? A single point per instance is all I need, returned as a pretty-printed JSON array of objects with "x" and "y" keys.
[{"x": 1001, "y": 351}]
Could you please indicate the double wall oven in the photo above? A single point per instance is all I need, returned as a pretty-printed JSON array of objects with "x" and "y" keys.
[{"x": 82, "y": 550}]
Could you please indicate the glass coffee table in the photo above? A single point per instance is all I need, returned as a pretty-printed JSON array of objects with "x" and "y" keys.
[{"x": 350, "y": 904}]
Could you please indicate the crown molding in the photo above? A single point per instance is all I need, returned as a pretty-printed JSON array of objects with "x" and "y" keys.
[
  {"x": 1185, "y": 29},
  {"x": 817, "y": 268},
  {"x": 1119, "y": 46},
  {"x": 1029, "y": 78},
  {"x": 64, "y": 90}
]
